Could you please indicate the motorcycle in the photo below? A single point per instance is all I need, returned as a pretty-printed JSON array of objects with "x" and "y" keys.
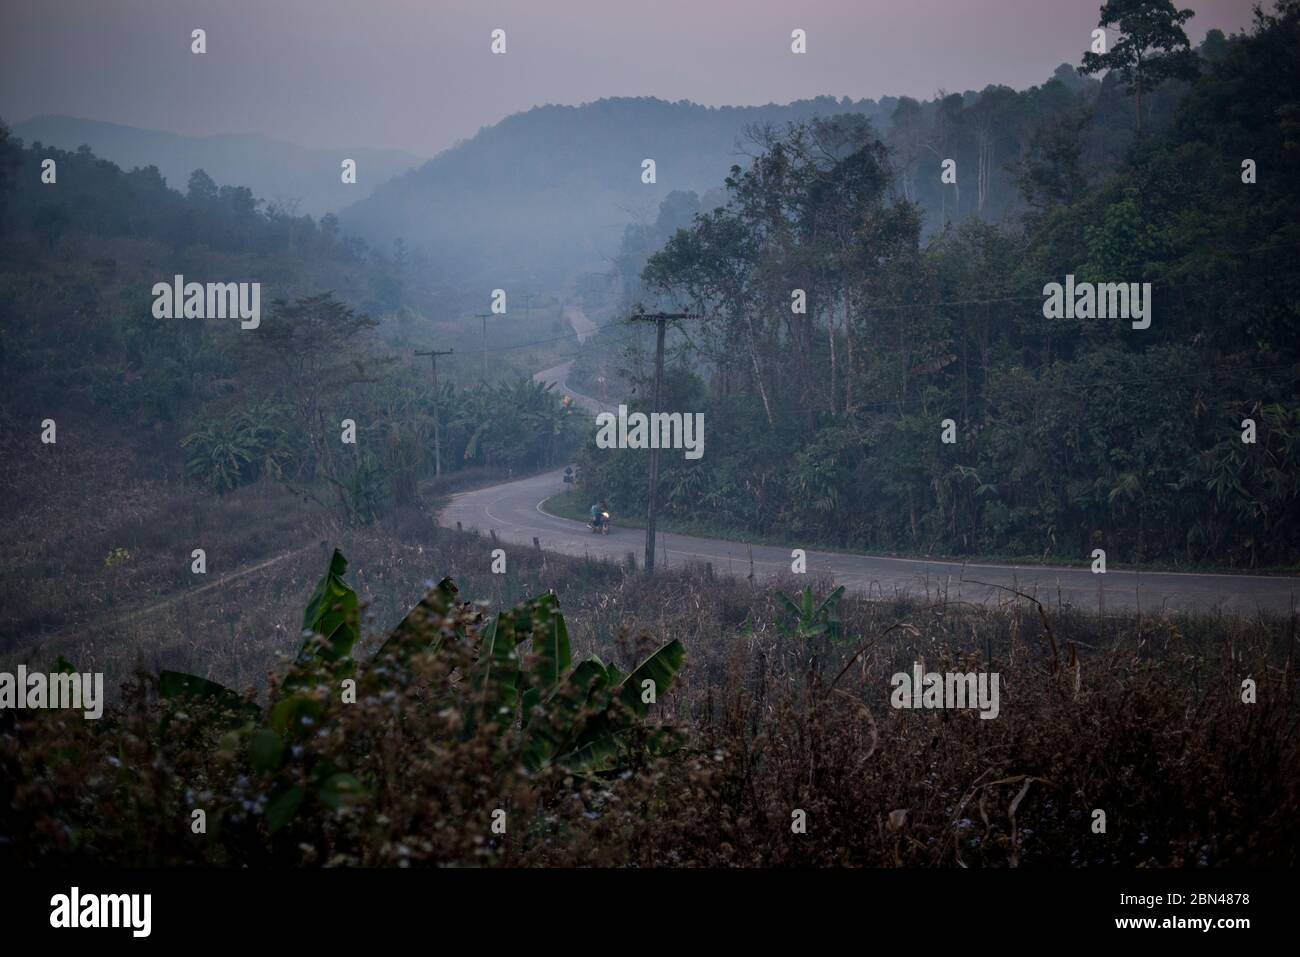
[{"x": 600, "y": 525}]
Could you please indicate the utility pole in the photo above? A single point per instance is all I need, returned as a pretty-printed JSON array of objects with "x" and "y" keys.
[
  {"x": 485, "y": 316},
  {"x": 437, "y": 428},
  {"x": 659, "y": 319}
]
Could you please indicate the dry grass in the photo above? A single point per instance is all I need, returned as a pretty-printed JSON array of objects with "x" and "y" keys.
[{"x": 1141, "y": 718}]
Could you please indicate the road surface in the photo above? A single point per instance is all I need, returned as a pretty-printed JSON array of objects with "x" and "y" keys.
[
  {"x": 558, "y": 375},
  {"x": 513, "y": 512},
  {"x": 577, "y": 319}
]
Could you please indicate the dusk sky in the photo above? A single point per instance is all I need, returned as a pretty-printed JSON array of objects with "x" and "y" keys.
[{"x": 418, "y": 74}]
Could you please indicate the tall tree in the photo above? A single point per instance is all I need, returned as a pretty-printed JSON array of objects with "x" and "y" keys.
[{"x": 1152, "y": 46}]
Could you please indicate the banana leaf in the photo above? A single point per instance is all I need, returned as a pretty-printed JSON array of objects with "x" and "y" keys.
[
  {"x": 552, "y": 656},
  {"x": 422, "y": 620},
  {"x": 552, "y": 730},
  {"x": 333, "y": 612},
  {"x": 497, "y": 674},
  {"x": 622, "y": 705}
]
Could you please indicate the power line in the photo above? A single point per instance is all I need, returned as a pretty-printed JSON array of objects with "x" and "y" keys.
[{"x": 542, "y": 342}]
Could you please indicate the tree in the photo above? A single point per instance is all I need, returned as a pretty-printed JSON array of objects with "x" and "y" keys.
[
  {"x": 1152, "y": 46},
  {"x": 1050, "y": 172},
  {"x": 202, "y": 188},
  {"x": 309, "y": 352},
  {"x": 50, "y": 222},
  {"x": 987, "y": 119},
  {"x": 10, "y": 162},
  {"x": 1214, "y": 46}
]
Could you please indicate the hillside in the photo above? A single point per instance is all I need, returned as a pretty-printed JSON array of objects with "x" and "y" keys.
[
  {"x": 277, "y": 171},
  {"x": 547, "y": 193},
  {"x": 1173, "y": 440}
]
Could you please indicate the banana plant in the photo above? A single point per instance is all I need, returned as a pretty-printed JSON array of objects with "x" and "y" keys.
[
  {"x": 331, "y": 626},
  {"x": 807, "y": 618},
  {"x": 588, "y": 720},
  {"x": 582, "y": 719}
]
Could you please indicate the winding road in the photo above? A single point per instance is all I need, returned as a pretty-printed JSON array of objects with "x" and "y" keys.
[
  {"x": 558, "y": 376},
  {"x": 514, "y": 512}
]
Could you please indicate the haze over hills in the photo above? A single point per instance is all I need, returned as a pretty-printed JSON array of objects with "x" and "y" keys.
[
  {"x": 547, "y": 192},
  {"x": 274, "y": 170},
  {"x": 545, "y": 195}
]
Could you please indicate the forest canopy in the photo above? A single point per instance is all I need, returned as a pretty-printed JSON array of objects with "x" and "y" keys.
[{"x": 825, "y": 425}]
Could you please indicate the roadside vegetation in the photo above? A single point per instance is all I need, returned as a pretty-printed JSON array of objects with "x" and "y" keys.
[
  {"x": 576, "y": 506},
  {"x": 841, "y": 333},
  {"x": 779, "y": 705}
]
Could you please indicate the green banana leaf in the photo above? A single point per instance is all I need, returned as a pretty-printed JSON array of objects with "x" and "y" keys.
[
  {"x": 497, "y": 674},
  {"x": 552, "y": 654},
  {"x": 597, "y": 742},
  {"x": 551, "y": 731},
  {"x": 661, "y": 668},
  {"x": 831, "y": 603},
  {"x": 427, "y": 616},
  {"x": 333, "y": 612}
]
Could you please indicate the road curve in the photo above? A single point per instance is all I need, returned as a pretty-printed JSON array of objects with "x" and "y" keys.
[
  {"x": 558, "y": 376},
  {"x": 513, "y": 512}
]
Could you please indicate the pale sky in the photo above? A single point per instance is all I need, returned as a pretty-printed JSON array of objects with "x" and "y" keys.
[{"x": 418, "y": 74}]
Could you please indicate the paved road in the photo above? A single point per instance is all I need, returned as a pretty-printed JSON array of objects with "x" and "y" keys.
[
  {"x": 558, "y": 375},
  {"x": 512, "y": 511},
  {"x": 582, "y": 325}
]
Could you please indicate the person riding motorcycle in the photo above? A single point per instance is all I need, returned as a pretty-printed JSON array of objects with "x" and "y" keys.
[{"x": 599, "y": 517}]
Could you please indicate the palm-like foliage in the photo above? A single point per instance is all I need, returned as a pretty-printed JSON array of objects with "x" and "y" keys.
[
  {"x": 514, "y": 424},
  {"x": 809, "y": 618},
  {"x": 521, "y": 690},
  {"x": 219, "y": 452},
  {"x": 226, "y": 451}
]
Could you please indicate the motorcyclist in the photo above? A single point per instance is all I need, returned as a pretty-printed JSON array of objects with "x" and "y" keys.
[{"x": 598, "y": 519}]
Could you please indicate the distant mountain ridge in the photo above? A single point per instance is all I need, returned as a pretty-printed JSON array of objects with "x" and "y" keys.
[
  {"x": 548, "y": 191},
  {"x": 274, "y": 170}
]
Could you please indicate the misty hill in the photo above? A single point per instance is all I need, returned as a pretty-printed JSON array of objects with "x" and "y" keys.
[
  {"x": 277, "y": 171},
  {"x": 547, "y": 192}
]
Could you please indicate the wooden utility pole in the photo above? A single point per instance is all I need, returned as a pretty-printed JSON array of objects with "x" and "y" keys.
[
  {"x": 660, "y": 319},
  {"x": 437, "y": 428},
  {"x": 485, "y": 316}
]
